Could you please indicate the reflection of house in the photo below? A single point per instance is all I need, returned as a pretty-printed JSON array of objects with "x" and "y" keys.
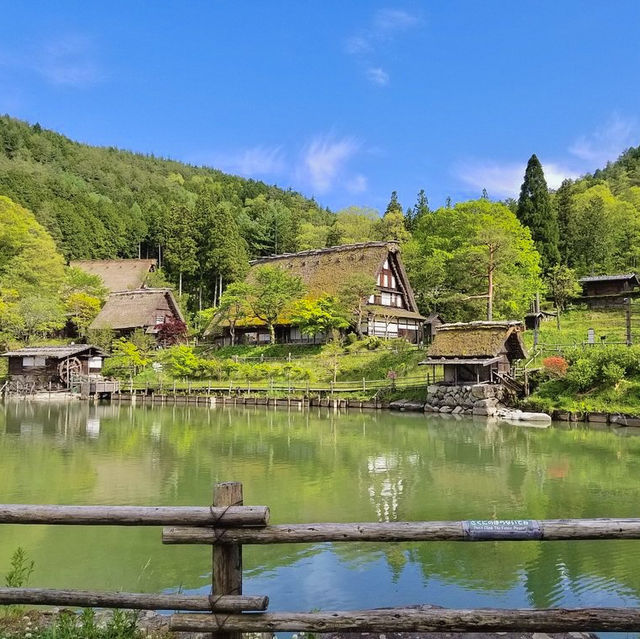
[
  {"x": 476, "y": 351},
  {"x": 118, "y": 275},
  {"x": 39, "y": 367},
  {"x": 146, "y": 308},
  {"x": 390, "y": 312},
  {"x": 608, "y": 290}
]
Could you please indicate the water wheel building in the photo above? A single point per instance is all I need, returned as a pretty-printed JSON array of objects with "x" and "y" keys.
[
  {"x": 391, "y": 311},
  {"x": 476, "y": 352},
  {"x": 44, "y": 367}
]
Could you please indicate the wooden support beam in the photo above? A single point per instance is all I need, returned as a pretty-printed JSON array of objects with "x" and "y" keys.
[
  {"x": 135, "y": 515},
  {"x": 511, "y": 530},
  {"x": 418, "y": 620},
  {"x": 132, "y": 600},
  {"x": 227, "y": 558}
]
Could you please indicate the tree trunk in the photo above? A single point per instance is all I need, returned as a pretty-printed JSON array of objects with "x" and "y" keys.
[
  {"x": 490, "y": 282},
  {"x": 272, "y": 334},
  {"x": 359, "y": 324},
  {"x": 180, "y": 285},
  {"x": 232, "y": 332},
  {"x": 558, "y": 317}
]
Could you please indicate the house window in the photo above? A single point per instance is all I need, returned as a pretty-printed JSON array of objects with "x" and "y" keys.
[
  {"x": 159, "y": 319},
  {"x": 386, "y": 299},
  {"x": 95, "y": 362},
  {"x": 372, "y": 299},
  {"x": 29, "y": 362}
]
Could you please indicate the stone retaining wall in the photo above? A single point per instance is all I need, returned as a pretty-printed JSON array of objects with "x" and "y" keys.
[{"x": 472, "y": 399}]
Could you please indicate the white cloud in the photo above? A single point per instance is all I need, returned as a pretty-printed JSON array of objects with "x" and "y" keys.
[
  {"x": 65, "y": 61},
  {"x": 607, "y": 142},
  {"x": 505, "y": 179},
  {"x": 249, "y": 162},
  {"x": 324, "y": 159},
  {"x": 378, "y": 76},
  {"x": 385, "y": 26},
  {"x": 357, "y": 184}
]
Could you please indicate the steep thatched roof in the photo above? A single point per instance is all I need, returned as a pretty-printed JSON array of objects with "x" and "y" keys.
[
  {"x": 55, "y": 352},
  {"x": 135, "y": 309},
  {"x": 118, "y": 275},
  {"x": 478, "y": 340}
]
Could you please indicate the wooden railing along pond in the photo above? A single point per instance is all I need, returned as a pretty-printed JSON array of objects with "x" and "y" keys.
[{"x": 228, "y": 524}]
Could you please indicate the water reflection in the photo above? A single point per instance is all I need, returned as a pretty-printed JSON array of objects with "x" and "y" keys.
[{"x": 321, "y": 466}]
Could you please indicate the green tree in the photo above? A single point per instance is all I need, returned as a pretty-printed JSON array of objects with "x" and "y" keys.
[
  {"x": 352, "y": 225},
  {"x": 481, "y": 257},
  {"x": 127, "y": 359},
  {"x": 234, "y": 307},
  {"x": 535, "y": 211},
  {"x": 180, "y": 246},
  {"x": 354, "y": 296},
  {"x": 394, "y": 205},
  {"x": 562, "y": 285},
  {"x": 324, "y": 315},
  {"x": 81, "y": 310},
  {"x": 420, "y": 208},
  {"x": 391, "y": 227},
  {"x": 272, "y": 291}
]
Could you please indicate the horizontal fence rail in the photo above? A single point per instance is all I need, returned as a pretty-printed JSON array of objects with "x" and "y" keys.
[
  {"x": 228, "y": 524},
  {"x": 412, "y": 620},
  {"x": 490, "y": 530},
  {"x": 135, "y": 515},
  {"x": 131, "y": 600}
]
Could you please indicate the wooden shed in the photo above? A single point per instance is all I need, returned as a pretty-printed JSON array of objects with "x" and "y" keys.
[
  {"x": 146, "y": 308},
  {"x": 43, "y": 367},
  {"x": 476, "y": 352},
  {"x": 600, "y": 291}
]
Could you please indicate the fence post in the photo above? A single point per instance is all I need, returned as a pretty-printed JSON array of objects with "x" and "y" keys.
[
  {"x": 227, "y": 558},
  {"x": 628, "y": 320},
  {"x": 364, "y": 385}
]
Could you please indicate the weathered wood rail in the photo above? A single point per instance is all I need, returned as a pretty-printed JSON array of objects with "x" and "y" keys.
[{"x": 227, "y": 525}]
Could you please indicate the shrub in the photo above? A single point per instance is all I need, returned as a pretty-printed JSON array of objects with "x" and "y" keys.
[
  {"x": 555, "y": 366},
  {"x": 612, "y": 374},
  {"x": 583, "y": 374}
]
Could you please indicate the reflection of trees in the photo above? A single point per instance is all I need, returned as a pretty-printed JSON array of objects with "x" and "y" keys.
[{"x": 316, "y": 466}]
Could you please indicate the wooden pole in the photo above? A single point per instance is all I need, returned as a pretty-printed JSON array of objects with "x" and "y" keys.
[
  {"x": 227, "y": 558},
  {"x": 135, "y": 515},
  {"x": 509, "y": 530},
  {"x": 419, "y": 620},
  {"x": 628, "y": 320},
  {"x": 132, "y": 600}
]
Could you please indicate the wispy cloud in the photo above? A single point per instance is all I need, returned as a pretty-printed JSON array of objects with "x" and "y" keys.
[
  {"x": 357, "y": 184},
  {"x": 366, "y": 45},
  {"x": 505, "y": 179},
  {"x": 324, "y": 159},
  {"x": 254, "y": 161},
  {"x": 607, "y": 142},
  {"x": 64, "y": 61}
]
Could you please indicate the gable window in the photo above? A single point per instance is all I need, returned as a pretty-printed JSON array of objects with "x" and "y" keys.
[{"x": 159, "y": 319}]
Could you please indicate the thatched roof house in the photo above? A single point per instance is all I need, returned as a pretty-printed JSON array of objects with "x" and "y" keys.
[
  {"x": 476, "y": 351},
  {"x": 146, "y": 308},
  {"x": 391, "y": 311},
  {"x": 118, "y": 275}
]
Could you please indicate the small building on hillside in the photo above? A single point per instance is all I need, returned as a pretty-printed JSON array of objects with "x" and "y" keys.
[
  {"x": 390, "y": 312},
  {"x": 600, "y": 291},
  {"x": 146, "y": 308},
  {"x": 475, "y": 352},
  {"x": 118, "y": 275},
  {"x": 431, "y": 324},
  {"x": 56, "y": 367}
]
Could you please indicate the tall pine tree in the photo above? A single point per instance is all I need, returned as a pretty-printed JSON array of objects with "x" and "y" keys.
[
  {"x": 564, "y": 204},
  {"x": 536, "y": 212},
  {"x": 394, "y": 206},
  {"x": 420, "y": 208}
]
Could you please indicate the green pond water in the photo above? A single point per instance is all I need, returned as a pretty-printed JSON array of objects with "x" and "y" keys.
[{"x": 311, "y": 466}]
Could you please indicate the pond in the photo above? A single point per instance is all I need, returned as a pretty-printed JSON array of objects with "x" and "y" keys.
[{"x": 316, "y": 465}]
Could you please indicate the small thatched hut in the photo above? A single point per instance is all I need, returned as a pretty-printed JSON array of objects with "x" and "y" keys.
[
  {"x": 53, "y": 366},
  {"x": 146, "y": 308},
  {"x": 391, "y": 310},
  {"x": 118, "y": 275},
  {"x": 475, "y": 352}
]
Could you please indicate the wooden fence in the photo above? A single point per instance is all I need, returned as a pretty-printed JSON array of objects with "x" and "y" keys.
[{"x": 228, "y": 524}]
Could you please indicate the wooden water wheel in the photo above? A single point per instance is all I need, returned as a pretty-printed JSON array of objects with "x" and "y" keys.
[{"x": 69, "y": 368}]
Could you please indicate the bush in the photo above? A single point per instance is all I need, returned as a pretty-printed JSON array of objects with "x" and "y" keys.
[
  {"x": 583, "y": 374},
  {"x": 555, "y": 366},
  {"x": 612, "y": 374}
]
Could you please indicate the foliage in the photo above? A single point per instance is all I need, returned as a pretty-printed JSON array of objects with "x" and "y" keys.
[
  {"x": 82, "y": 310},
  {"x": 102, "y": 338},
  {"x": 555, "y": 366},
  {"x": 562, "y": 285},
  {"x": 457, "y": 251},
  {"x": 325, "y": 316},
  {"x": 172, "y": 331},
  {"x": 535, "y": 212},
  {"x": 234, "y": 306},
  {"x": 20, "y": 569},
  {"x": 127, "y": 359},
  {"x": 273, "y": 290},
  {"x": 180, "y": 361},
  {"x": 353, "y": 296}
]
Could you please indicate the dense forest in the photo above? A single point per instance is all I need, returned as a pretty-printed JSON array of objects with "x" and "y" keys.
[{"x": 476, "y": 259}]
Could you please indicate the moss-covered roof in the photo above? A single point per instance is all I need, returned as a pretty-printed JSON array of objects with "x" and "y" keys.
[
  {"x": 118, "y": 275},
  {"x": 478, "y": 339}
]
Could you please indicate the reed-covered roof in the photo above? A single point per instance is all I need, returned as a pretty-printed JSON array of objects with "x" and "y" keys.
[
  {"x": 55, "y": 352},
  {"x": 478, "y": 340},
  {"x": 118, "y": 275},
  {"x": 136, "y": 309}
]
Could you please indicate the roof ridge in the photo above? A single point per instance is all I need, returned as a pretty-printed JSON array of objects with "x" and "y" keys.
[{"x": 328, "y": 249}]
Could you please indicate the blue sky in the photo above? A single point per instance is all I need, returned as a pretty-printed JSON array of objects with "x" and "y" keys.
[{"x": 344, "y": 101}]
